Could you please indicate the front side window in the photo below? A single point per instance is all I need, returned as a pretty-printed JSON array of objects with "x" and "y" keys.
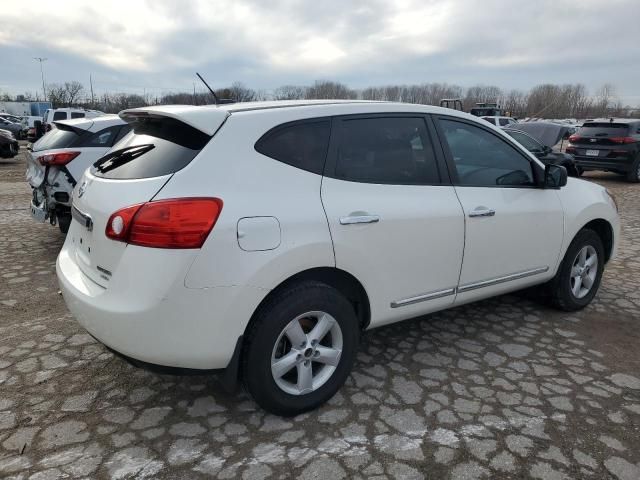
[
  {"x": 301, "y": 145},
  {"x": 482, "y": 159},
  {"x": 393, "y": 150},
  {"x": 504, "y": 121},
  {"x": 77, "y": 114}
]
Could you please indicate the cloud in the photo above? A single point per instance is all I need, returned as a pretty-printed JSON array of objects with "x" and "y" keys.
[{"x": 159, "y": 44}]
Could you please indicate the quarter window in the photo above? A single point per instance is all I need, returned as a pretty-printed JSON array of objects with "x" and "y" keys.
[
  {"x": 482, "y": 159},
  {"x": 393, "y": 150},
  {"x": 77, "y": 114},
  {"x": 301, "y": 145}
]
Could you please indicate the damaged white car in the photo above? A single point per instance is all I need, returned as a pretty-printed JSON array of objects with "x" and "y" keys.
[{"x": 58, "y": 160}]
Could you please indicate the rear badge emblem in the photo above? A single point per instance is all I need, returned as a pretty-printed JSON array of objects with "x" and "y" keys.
[
  {"x": 82, "y": 189},
  {"x": 593, "y": 140}
]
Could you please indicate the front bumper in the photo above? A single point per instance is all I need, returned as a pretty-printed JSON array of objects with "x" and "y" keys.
[{"x": 151, "y": 316}]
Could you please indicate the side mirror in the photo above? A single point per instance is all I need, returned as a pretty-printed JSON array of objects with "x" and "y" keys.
[{"x": 555, "y": 176}]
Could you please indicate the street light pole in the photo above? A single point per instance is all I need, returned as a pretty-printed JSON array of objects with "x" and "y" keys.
[{"x": 44, "y": 91}]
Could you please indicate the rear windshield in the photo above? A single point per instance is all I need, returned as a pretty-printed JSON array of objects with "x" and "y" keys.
[
  {"x": 56, "y": 138},
  {"x": 155, "y": 147},
  {"x": 604, "y": 129}
]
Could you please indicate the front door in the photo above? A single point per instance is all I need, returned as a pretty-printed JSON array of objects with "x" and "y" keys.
[
  {"x": 395, "y": 225},
  {"x": 514, "y": 228}
]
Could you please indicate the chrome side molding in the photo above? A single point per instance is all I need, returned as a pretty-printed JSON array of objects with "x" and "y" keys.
[
  {"x": 467, "y": 287},
  {"x": 423, "y": 297},
  {"x": 507, "y": 278}
]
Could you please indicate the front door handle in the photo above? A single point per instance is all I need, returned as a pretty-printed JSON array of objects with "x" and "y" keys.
[
  {"x": 482, "y": 212},
  {"x": 359, "y": 219}
]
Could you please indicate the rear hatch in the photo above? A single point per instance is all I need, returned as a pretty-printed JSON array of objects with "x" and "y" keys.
[
  {"x": 67, "y": 135},
  {"x": 600, "y": 140},
  {"x": 133, "y": 172}
]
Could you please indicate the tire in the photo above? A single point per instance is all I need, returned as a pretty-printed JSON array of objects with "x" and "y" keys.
[
  {"x": 304, "y": 304},
  {"x": 63, "y": 223},
  {"x": 634, "y": 174},
  {"x": 562, "y": 288}
]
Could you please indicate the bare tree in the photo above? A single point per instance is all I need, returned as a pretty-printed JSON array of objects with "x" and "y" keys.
[
  {"x": 73, "y": 90},
  {"x": 330, "y": 90},
  {"x": 289, "y": 92}
]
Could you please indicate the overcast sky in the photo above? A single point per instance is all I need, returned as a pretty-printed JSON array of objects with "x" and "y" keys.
[{"x": 156, "y": 46}]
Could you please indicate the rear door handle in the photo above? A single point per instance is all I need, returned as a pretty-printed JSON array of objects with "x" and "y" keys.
[
  {"x": 482, "y": 212},
  {"x": 359, "y": 219}
]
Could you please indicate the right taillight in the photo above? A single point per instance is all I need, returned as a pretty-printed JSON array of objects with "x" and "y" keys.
[
  {"x": 172, "y": 223},
  {"x": 622, "y": 140}
]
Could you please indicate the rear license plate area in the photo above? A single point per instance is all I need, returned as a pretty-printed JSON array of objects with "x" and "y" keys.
[{"x": 592, "y": 153}]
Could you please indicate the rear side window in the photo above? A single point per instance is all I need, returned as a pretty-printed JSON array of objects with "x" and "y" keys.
[
  {"x": 77, "y": 114},
  {"x": 56, "y": 138},
  {"x": 59, "y": 116},
  {"x": 156, "y": 146},
  {"x": 394, "y": 150},
  {"x": 301, "y": 145},
  {"x": 103, "y": 138},
  {"x": 595, "y": 129}
]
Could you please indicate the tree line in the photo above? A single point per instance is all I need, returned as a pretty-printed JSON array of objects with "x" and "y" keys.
[{"x": 544, "y": 101}]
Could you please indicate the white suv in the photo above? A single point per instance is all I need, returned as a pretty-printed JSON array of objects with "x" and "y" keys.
[{"x": 264, "y": 237}]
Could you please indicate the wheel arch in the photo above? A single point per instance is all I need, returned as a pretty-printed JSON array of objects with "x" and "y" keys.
[
  {"x": 339, "y": 279},
  {"x": 604, "y": 230}
]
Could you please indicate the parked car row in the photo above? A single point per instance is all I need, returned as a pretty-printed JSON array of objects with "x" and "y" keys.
[{"x": 263, "y": 238}]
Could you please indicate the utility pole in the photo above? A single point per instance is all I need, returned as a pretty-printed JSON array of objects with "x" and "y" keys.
[
  {"x": 44, "y": 91},
  {"x": 91, "y": 85}
]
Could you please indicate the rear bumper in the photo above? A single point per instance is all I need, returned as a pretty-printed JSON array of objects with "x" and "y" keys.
[
  {"x": 621, "y": 164},
  {"x": 152, "y": 317}
]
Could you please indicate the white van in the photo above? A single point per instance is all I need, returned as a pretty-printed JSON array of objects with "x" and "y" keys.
[{"x": 55, "y": 114}]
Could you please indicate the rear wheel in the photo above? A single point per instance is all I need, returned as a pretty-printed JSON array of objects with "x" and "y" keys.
[
  {"x": 300, "y": 349},
  {"x": 634, "y": 174},
  {"x": 579, "y": 275}
]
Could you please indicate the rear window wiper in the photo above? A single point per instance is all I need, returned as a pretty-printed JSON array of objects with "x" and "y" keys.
[{"x": 120, "y": 157}]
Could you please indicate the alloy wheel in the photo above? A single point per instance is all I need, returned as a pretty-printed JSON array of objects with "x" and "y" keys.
[
  {"x": 306, "y": 353},
  {"x": 584, "y": 271}
]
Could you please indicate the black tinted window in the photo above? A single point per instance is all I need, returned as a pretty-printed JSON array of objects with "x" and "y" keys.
[
  {"x": 483, "y": 159},
  {"x": 124, "y": 129},
  {"x": 59, "y": 116},
  {"x": 602, "y": 129},
  {"x": 503, "y": 122},
  {"x": 56, "y": 138},
  {"x": 302, "y": 145},
  {"x": 77, "y": 115},
  {"x": 102, "y": 138},
  {"x": 155, "y": 147},
  {"x": 386, "y": 150}
]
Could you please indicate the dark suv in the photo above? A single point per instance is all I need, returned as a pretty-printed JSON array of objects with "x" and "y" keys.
[{"x": 612, "y": 145}]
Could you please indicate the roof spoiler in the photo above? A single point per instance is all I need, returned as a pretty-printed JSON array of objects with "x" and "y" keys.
[{"x": 206, "y": 119}]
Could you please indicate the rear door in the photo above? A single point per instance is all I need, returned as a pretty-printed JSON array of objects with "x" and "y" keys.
[
  {"x": 514, "y": 229},
  {"x": 395, "y": 221},
  {"x": 132, "y": 173}
]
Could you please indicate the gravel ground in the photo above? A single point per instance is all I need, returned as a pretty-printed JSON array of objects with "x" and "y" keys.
[{"x": 503, "y": 388}]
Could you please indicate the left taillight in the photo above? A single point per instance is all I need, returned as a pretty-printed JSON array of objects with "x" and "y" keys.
[
  {"x": 172, "y": 223},
  {"x": 58, "y": 159}
]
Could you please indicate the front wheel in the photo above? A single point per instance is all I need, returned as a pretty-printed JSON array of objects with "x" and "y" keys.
[
  {"x": 300, "y": 349},
  {"x": 580, "y": 273}
]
